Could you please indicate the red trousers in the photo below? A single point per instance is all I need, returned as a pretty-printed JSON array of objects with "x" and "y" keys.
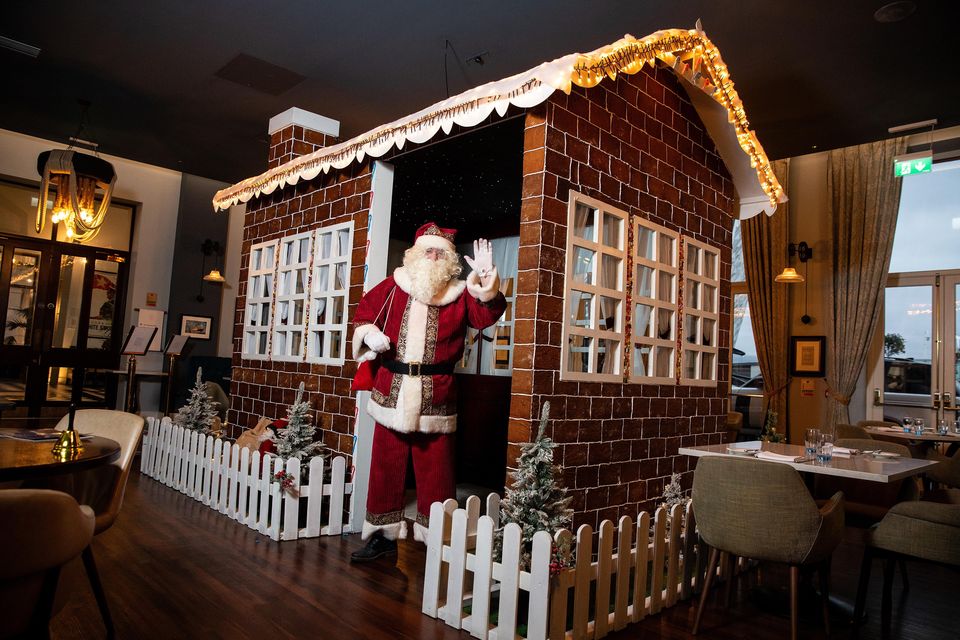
[{"x": 433, "y": 469}]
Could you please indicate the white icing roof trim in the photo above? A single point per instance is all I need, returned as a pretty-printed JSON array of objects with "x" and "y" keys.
[{"x": 472, "y": 107}]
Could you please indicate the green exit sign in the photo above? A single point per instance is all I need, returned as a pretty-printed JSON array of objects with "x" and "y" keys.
[{"x": 912, "y": 165}]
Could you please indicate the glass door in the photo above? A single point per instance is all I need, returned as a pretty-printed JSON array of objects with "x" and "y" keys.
[
  {"x": 61, "y": 324},
  {"x": 916, "y": 366}
]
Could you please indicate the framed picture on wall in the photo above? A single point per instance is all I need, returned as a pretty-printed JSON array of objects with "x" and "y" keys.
[
  {"x": 806, "y": 356},
  {"x": 196, "y": 327}
]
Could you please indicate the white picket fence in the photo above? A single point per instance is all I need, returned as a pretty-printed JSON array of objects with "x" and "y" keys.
[
  {"x": 236, "y": 482},
  {"x": 631, "y": 580}
]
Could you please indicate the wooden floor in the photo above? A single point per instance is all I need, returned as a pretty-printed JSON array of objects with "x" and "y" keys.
[{"x": 175, "y": 569}]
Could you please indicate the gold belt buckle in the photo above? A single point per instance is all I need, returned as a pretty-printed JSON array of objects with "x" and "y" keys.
[{"x": 414, "y": 369}]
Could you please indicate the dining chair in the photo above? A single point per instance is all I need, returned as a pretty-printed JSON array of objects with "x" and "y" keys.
[
  {"x": 103, "y": 487},
  {"x": 42, "y": 531},
  {"x": 762, "y": 510},
  {"x": 868, "y": 502},
  {"x": 844, "y": 431},
  {"x": 947, "y": 472},
  {"x": 913, "y": 530}
]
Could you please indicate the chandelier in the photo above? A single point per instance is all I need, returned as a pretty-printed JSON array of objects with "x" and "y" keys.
[{"x": 84, "y": 185}]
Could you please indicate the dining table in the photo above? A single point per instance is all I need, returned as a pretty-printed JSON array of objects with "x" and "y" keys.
[
  {"x": 919, "y": 443},
  {"x": 21, "y": 458},
  {"x": 878, "y": 467}
]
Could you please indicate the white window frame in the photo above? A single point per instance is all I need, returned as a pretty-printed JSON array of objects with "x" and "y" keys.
[
  {"x": 328, "y": 328},
  {"x": 258, "y": 270},
  {"x": 595, "y": 290},
  {"x": 282, "y": 348},
  {"x": 695, "y": 272},
  {"x": 658, "y": 265}
]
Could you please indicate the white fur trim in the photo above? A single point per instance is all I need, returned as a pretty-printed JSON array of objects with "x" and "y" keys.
[
  {"x": 480, "y": 291},
  {"x": 392, "y": 531},
  {"x": 361, "y": 332},
  {"x": 437, "y": 242},
  {"x": 426, "y": 424},
  {"x": 450, "y": 294},
  {"x": 420, "y": 532}
]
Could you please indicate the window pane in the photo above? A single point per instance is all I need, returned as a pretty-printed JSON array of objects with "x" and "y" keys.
[
  {"x": 643, "y": 284},
  {"x": 745, "y": 365},
  {"x": 707, "y": 366},
  {"x": 643, "y": 320},
  {"x": 707, "y": 338},
  {"x": 608, "y": 356},
  {"x": 578, "y": 360},
  {"x": 665, "y": 287},
  {"x": 710, "y": 265},
  {"x": 693, "y": 259},
  {"x": 666, "y": 250},
  {"x": 737, "y": 273},
  {"x": 645, "y": 238},
  {"x": 665, "y": 324},
  {"x": 583, "y": 222},
  {"x": 691, "y": 328},
  {"x": 641, "y": 360},
  {"x": 690, "y": 364},
  {"x": 709, "y": 299},
  {"x": 581, "y": 309},
  {"x": 611, "y": 230},
  {"x": 907, "y": 326},
  {"x": 24, "y": 277},
  {"x": 583, "y": 265},
  {"x": 693, "y": 294},
  {"x": 610, "y": 272},
  {"x": 664, "y": 363},
  {"x": 610, "y": 312},
  {"x": 59, "y": 384},
  {"x": 928, "y": 218},
  {"x": 337, "y": 310},
  {"x": 69, "y": 299}
]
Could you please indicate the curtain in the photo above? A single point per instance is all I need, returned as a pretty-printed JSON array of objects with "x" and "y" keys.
[
  {"x": 765, "y": 240},
  {"x": 505, "y": 253},
  {"x": 863, "y": 198}
]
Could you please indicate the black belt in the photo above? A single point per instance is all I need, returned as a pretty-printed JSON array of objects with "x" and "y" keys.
[{"x": 418, "y": 369}]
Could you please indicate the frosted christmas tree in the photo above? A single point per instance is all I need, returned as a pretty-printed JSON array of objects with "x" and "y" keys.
[
  {"x": 199, "y": 412},
  {"x": 536, "y": 500},
  {"x": 296, "y": 439}
]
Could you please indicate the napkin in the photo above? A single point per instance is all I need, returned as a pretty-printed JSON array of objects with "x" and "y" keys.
[
  {"x": 844, "y": 452},
  {"x": 891, "y": 429},
  {"x": 778, "y": 457}
]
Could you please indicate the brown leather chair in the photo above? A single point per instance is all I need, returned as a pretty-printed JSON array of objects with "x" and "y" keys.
[
  {"x": 762, "y": 510},
  {"x": 42, "y": 530},
  {"x": 103, "y": 487},
  {"x": 844, "y": 431}
]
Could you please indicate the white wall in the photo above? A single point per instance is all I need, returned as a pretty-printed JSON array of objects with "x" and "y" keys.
[
  {"x": 158, "y": 192},
  {"x": 231, "y": 271}
]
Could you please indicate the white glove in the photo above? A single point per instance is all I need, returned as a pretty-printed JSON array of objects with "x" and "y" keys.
[
  {"x": 377, "y": 341},
  {"x": 367, "y": 355},
  {"x": 482, "y": 261}
]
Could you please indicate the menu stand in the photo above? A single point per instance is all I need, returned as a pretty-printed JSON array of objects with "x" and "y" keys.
[
  {"x": 136, "y": 344},
  {"x": 174, "y": 350}
]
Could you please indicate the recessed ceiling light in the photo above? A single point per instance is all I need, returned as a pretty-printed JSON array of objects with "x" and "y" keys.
[{"x": 895, "y": 11}]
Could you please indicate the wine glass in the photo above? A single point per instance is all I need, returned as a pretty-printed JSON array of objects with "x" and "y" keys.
[
  {"x": 907, "y": 424},
  {"x": 942, "y": 428}
]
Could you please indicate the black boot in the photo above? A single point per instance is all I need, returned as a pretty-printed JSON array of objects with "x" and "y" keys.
[{"x": 377, "y": 546}]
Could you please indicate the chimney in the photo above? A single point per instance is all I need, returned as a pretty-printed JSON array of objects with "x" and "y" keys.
[{"x": 296, "y": 132}]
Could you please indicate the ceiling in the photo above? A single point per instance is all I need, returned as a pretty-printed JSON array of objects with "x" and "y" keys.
[{"x": 813, "y": 74}]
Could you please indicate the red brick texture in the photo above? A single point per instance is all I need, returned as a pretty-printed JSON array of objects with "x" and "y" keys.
[
  {"x": 293, "y": 141},
  {"x": 265, "y": 387},
  {"x": 637, "y": 144}
]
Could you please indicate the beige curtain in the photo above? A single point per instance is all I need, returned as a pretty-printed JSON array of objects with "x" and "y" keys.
[
  {"x": 863, "y": 198},
  {"x": 765, "y": 242}
]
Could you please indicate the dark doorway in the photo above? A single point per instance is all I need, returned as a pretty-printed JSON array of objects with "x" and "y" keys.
[{"x": 471, "y": 181}]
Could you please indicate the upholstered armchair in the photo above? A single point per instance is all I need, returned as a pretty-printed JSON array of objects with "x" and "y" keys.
[
  {"x": 921, "y": 530},
  {"x": 42, "y": 531},
  {"x": 763, "y": 510}
]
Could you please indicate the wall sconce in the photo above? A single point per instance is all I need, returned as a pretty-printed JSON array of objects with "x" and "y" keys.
[
  {"x": 210, "y": 248},
  {"x": 789, "y": 275}
]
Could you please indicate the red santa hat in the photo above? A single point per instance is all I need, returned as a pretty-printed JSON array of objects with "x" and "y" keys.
[{"x": 431, "y": 235}]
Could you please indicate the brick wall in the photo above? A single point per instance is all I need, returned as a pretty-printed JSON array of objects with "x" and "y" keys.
[
  {"x": 265, "y": 387},
  {"x": 295, "y": 140},
  {"x": 637, "y": 144}
]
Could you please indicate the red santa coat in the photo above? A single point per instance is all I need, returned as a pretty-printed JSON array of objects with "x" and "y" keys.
[{"x": 428, "y": 333}]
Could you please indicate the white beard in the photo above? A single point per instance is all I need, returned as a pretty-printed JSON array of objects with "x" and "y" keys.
[{"x": 429, "y": 277}]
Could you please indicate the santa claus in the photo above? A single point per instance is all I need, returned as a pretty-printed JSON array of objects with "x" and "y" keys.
[{"x": 414, "y": 324}]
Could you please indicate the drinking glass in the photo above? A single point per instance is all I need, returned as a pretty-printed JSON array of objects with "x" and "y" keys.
[
  {"x": 907, "y": 424},
  {"x": 956, "y": 427},
  {"x": 918, "y": 426},
  {"x": 825, "y": 448},
  {"x": 811, "y": 438},
  {"x": 942, "y": 428}
]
